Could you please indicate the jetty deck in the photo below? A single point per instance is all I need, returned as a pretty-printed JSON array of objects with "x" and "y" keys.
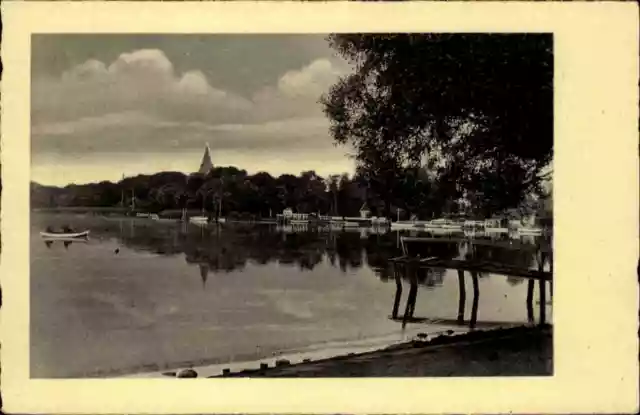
[
  {"x": 507, "y": 244},
  {"x": 480, "y": 266}
]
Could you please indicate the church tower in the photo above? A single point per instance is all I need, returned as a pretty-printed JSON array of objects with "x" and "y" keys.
[{"x": 206, "y": 165}]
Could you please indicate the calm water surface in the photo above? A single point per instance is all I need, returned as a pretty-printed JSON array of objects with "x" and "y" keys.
[{"x": 142, "y": 293}]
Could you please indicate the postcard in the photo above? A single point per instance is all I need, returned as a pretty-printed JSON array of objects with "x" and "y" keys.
[{"x": 251, "y": 207}]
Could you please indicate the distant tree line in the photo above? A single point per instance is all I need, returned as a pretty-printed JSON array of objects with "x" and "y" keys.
[{"x": 231, "y": 191}]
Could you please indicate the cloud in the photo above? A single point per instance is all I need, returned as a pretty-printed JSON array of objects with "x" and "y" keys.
[
  {"x": 85, "y": 125},
  {"x": 312, "y": 80},
  {"x": 142, "y": 80},
  {"x": 119, "y": 132},
  {"x": 139, "y": 103}
]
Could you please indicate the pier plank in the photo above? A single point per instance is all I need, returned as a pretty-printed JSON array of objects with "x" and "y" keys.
[{"x": 474, "y": 266}]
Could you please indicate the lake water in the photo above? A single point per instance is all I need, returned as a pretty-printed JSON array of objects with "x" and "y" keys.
[{"x": 141, "y": 294}]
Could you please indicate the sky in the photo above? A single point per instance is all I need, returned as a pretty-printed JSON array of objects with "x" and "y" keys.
[{"x": 104, "y": 106}]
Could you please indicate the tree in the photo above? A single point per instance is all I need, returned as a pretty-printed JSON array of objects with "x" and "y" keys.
[
  {"x": 478, "y": 108},
  {"x": 333, "y": 183}
]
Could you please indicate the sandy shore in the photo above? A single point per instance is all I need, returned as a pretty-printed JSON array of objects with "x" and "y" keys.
[
  {"x": 521, "y": 351},
  {"x": 516, "y": 351},
  {"x": 315, "y": 352}
]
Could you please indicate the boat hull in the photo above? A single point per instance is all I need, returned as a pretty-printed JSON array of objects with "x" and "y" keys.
[{"x": 72, "y": 235}]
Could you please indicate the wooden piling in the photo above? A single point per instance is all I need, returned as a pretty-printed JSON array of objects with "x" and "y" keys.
[
  {"x": 413, "y": 293},
  {"x": 530, "y": 289},
  {"x": 543, "y": 294},
  {"x": 543, "y": 302},
  {"x": 396, "y": 302},
  {"x": 551, "y": 270},
  {"x": 476, "y": 298},
  {"x": 462, "y": 296}
]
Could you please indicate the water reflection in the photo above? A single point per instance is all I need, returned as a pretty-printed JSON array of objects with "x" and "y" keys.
[
  {"x": 66, "y": 243},
  {"x": 231, "y": 248},
  {"x": 169, "y": 282}
]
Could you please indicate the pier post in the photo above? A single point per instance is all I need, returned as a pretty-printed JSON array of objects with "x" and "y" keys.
[
  {"x": 462, "y": 296},
  {"x": 551, "y": 270},
  {"x": 543, "y": 293},
  {"x": 530, "y": 288},
  {"x": 543, "y": 301},
  {"x": 396, "y": 303},
  {"x": 413, "y": 292},
  {"x": 476, "y": 297}
]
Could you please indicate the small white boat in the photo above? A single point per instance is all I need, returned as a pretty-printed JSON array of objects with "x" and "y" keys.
[
  {"x": 348, "y": 224},
  {"x": 443, "y": 224},
  {"x": 530, "y": 231},
  {"x": 473, "y": 224},
  {"x": 401, "y": 226},
  {"x": 199, "y": 219},
  {"x": 496, "y": 230},
  {"x": 64, "y": 235}
]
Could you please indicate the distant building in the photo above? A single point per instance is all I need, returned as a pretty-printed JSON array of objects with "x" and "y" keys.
[{"x": 206, "y": 165}]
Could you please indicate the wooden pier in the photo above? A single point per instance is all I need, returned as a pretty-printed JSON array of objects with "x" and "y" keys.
[
  {"x": 406, "y": 267},
  {"x": 507, "y": 244},
  {"x": 479, "y": 266}
]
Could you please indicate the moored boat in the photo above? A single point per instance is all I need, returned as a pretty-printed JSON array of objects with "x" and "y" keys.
[
  {"x": 530, "y": 231},
  {"x": 199, "y": 219},
  {"x": 496, "y": 230},
  {"x": 64, "y": 235}
]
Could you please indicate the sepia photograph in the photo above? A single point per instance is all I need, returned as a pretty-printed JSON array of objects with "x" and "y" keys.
[
  {"x": 357, "y": 207},
  {"x": 311, "y": 205}
]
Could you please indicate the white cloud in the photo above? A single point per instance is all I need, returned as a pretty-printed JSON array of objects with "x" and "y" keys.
[
  {"x": 312, "y": 80},
  {"x": 138, "y": 102},
  {"x": 143, "y": 80},
  {"x": 142, "y": 63},
  {"x": 91, "y": 124}
]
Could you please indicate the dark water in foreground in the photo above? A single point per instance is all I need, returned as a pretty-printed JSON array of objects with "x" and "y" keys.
[{"x": 178, "y": 293}]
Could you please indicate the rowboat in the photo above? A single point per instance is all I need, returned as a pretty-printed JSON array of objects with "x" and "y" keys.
[{"x": 64, "y": 235}]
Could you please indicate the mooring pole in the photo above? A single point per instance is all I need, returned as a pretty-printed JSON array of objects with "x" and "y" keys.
[
  {"x": 413, "y": 293},
  {"x": 551, "y": 270},
  {"x": 396, "y": 302},
  {"x": 543, "y": 301},
  {"x": 543, "y": 293},
  {"x": 530, "y": 288},
  {"x": 462, "y": 296},
  {"x": 476, "y": 297}
]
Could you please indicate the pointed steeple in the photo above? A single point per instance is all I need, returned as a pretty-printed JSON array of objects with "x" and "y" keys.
[{"x": 206, "y": 165}]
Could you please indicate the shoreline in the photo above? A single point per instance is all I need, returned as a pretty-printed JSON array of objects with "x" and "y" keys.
[
  {"x": 522, "y": 350},
  {"x": 315, "y": 352},
  {"x": 516, "y": 351}
]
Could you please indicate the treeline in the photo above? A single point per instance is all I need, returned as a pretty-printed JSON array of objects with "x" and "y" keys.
[
  {"x": 225, "y": 189},
  {"x": 229, "y": 191}
]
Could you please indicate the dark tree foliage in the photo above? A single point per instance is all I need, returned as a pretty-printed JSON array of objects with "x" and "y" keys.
[
  {"x": 475, "y": 109},
  {"x": 225, "y": 190}
]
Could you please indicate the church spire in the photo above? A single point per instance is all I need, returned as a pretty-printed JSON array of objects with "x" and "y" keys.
[{"x": 206, "y": 165}]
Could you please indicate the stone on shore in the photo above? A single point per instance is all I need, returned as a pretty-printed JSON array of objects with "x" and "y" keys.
[
  {"x": 282, "y": 362},
  {"x": 187, "y": 373}
]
